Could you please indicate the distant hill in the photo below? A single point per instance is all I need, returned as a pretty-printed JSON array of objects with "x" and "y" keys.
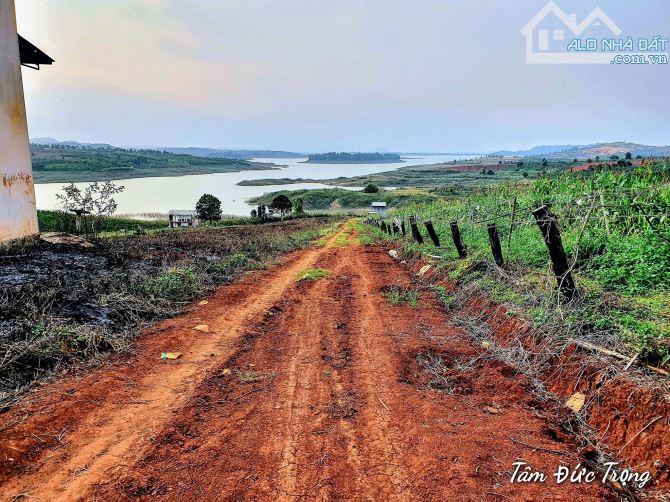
[
  {"x": 232, "y": 154},
  {"x": 537, "y": 150},
  {"x": 63, "y": 162},
  {"x": 618, "y": 148},
  {"x": 218, "y": 153},
  {"x": 354, "y": 158},
  {"x": 589, "y": 151}
]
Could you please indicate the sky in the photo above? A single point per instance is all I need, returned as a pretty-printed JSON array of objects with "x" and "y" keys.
[{"x": 332, "y": 75}]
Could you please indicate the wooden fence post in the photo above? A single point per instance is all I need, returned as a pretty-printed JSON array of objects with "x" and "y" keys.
[
  {"x": 494, "y": 240},
  {"x": 559, "y": 261},
  {"x": 458, "y": 242},
  {"x": 431, "y": 233},
  {"x": 383, "y": 226},
  {"x": 402, "y": 228},
  {"x": 415, "y": 230},
  {"x": 511, "y": 229},
  {"x": 396, "y": 226}
]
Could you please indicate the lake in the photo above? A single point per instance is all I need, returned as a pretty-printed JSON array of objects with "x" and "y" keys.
[{"x": 159, "y": 195}]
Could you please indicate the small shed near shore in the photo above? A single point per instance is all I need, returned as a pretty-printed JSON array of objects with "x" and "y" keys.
[
  {"x": 378, "y": 208},
  {"x": 182, "y": 218}
]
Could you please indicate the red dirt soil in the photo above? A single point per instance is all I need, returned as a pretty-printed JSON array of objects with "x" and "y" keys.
[
  {"x": 632, "y": 419},
  {"x": 301, "y": 390}
]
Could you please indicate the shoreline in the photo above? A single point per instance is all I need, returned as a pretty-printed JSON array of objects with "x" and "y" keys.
[{"x": 49, "y": 177}]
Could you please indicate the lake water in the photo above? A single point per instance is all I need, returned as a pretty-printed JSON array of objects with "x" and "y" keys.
[{"x": 159, "y": 195}]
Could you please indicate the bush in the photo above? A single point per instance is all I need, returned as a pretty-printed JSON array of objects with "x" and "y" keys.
[
  {"x": 178, "y": 284},
  {"x": 371, "y": 188}
]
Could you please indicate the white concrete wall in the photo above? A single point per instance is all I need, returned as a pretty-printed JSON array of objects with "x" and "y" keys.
[{"x": 18, "y": 216}]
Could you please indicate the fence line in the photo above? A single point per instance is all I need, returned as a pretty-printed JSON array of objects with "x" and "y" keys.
[{"x": 542, "y": 216}]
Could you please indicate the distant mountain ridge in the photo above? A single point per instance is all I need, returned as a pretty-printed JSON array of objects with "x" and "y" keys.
[
  {"x": 549, "y": 151},
  {"x": 589, "y": 151},
  {"x": 51, "y": 141},
  {"x": 536, "y": 150},
  {"x": 232, "y": 154}
]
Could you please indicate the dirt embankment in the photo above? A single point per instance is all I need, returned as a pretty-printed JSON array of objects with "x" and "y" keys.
[
  {"x": 626, "y": 409},
  {"x": 298, "y": 390}
]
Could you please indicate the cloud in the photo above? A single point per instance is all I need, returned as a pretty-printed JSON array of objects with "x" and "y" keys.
[{"x": 305, "y": 74}]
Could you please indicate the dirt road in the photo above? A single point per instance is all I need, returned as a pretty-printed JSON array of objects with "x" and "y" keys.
[{"x": 300, "y": 390}]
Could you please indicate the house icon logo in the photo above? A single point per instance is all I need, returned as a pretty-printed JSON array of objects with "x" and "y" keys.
[{"x": 550, "y": 31}]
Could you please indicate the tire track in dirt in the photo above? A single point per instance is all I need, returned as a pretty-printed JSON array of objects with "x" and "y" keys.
[
  {"x": 112, "y": 435},
  {"x": 313, "y": 380},
  {"x": 321, "y": 394}
]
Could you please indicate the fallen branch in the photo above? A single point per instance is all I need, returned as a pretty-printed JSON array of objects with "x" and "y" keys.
[{"x": 608, "y": 352}]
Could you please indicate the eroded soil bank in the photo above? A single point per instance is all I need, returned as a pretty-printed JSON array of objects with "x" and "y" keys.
[{"x": 625, "y": 411}]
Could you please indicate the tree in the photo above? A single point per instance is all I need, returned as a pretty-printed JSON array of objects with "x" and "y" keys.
[
  {"x": 208, "y": 208},
  {"x": 371, "y": 188},
  {"x": 544, "y": 163},
  {"x": 96, "y": 199},
  {"x": 629, "y": 156},
  {"x": 281, "y": 204},
  {"x": 254, "y": 214},
  {"x": 597, "y": 158},
  {"x": 298, "y": 209}
]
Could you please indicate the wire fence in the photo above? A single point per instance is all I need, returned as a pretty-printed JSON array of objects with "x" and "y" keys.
[{"x": 506, "y": 223}]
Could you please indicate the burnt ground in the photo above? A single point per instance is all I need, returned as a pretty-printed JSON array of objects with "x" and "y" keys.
[
  {"x": 300, "y": 390},
  {"x": 68, "y": 302}
]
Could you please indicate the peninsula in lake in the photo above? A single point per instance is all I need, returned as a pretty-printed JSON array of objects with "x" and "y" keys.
[{"x": 354, "y": 158}]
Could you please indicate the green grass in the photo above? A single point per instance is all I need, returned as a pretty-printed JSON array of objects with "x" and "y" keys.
[
  {"x": 312, "y": 274},
  {"x": 338, "y": 198},
  {"x": 447, "y": 299},
  {"x": 172, "y": 284},
  {"x": 60, "y": 221},
  {"x": 615, "y": 226},
  {"x": 396, "y": 295}
]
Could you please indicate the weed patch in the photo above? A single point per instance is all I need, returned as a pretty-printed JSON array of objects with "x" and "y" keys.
[
  {"x": 312, "y": 274},
  {"x": 252, "y": 376},
  {"x": 397, "y": 295}
]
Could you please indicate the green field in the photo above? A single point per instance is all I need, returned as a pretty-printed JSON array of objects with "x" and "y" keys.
[
  {"x": 338, "y": 198},
  {"x": 485, "y": 172},
  {"x": 614, "y": 224},
  {"x": 56, "y": 164}
]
